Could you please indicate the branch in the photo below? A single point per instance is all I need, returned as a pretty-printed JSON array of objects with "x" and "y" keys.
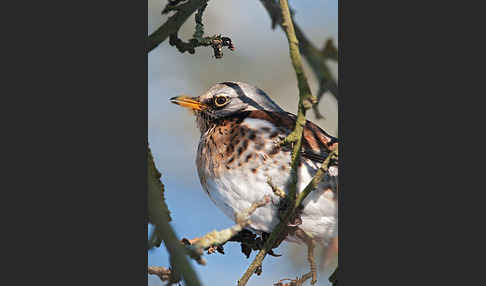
[
  {"x": 171, "y": 27},
  {"x": 315, "y": 58},
  {"x": 159, "y": 216},
  {"x": 305, "y": 102},
  {"x": 174, "y": 23},
  {"x": 220, "y": 237}
]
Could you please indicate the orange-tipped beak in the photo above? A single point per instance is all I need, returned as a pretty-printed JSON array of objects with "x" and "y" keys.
[{"x": 187, "y": 102}]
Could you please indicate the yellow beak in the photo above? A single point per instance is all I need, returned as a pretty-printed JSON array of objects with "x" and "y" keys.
[{"x": 187, "y": 102}]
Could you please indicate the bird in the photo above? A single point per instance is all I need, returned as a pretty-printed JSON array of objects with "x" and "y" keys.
[{"x": 239, "y": 161}]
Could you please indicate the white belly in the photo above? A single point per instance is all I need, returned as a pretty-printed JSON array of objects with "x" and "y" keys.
[{"x": 235, "y": 190}]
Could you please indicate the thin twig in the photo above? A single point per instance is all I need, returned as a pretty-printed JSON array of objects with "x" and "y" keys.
[
  {"x": 163, "y": 273},
  {"x": 275, "y": 189},
  {"x": 220, "y": 237}
]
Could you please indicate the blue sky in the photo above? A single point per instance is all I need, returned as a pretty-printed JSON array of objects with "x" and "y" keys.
[{"x": 261, "y": 58}]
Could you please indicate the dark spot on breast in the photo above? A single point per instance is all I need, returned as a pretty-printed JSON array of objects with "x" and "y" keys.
[
  {"x": 239, "y": 164},
  {"x": 252, "y": 136},
  {"x": 254, "y": 170},
  {"x": 248, "y": 157},
  {"x": 274, "y": 134},
  {"x": 230, "y": 148},
  {"x": 230, "y": 160},
  {"x": 283, "y": 167},
  {"x": 240, "y": 150},
  {"x": 259, "y": 146},
  {"x": 245, "y": 144},
  {"x": 243, "y": 132},
  {"x": 274, "y": 151}
]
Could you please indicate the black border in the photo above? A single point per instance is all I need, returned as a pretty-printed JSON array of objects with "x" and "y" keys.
[{"x": 80, "y": 147}]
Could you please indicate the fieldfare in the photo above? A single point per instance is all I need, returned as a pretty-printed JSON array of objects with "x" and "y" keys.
[{"x": 239, "y": 152}]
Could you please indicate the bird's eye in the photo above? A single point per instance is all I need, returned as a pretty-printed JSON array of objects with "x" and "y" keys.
[{"x": 220, "y": 100}]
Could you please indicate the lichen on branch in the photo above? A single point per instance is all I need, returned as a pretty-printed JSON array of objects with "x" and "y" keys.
[{"x": 171, "y": 28}]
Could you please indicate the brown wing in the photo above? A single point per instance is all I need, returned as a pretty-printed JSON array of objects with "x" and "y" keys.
[{"x": 316, "y": 144}]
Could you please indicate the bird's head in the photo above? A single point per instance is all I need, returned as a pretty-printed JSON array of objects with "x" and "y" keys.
[{"x": 225, "y": 100}]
